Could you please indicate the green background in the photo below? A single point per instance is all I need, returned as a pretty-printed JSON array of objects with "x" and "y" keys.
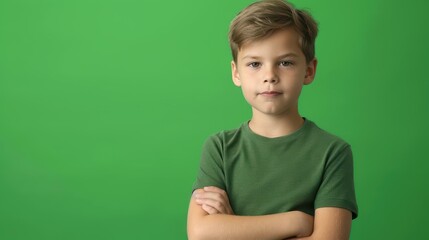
[{"x": 104, "y": 106}]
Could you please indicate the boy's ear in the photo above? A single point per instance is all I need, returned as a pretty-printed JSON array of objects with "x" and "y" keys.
[
  {"x": 235, "y": 74},
  {"x": 310, "y": 73}
]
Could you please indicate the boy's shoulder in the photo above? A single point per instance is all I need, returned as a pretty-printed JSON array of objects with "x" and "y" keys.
[
  {"x": 226, "y": 135},
  {"x": 327, "y": 136},
  {"x": 319, "y": 139}
]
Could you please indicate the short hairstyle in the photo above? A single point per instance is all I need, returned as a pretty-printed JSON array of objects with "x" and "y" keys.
[{"x": 261, "y": 19}]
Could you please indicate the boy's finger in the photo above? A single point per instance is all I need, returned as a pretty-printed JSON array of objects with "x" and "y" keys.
[
  {"x": 212, "y": 195},
  {"x": 197, "y": 192},
  {"x": 214, "y": 189},
  {"x": 217, "y": 190},
  {"x": 210, "y": 210},
  {"x": 218, "y": 206}
]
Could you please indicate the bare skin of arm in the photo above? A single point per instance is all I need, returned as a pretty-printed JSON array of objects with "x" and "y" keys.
[
  {"x": 210, "y": 216},
  {"x": 330, "y": 223}
]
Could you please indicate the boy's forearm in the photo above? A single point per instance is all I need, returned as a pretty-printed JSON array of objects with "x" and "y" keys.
[
  {"x": 330, "y": 223},
  {"x": 221, "y": 226}
]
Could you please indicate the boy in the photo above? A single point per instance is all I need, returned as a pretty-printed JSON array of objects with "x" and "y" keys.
[{"x": 278, "y": 176}]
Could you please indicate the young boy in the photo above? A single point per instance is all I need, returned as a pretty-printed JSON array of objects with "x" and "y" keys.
[{"x": 277, "y": 176}]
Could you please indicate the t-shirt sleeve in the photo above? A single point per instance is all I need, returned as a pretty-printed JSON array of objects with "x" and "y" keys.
[
  {"x": 211, "y": 172},
  {"x": 337, "y": 187}
]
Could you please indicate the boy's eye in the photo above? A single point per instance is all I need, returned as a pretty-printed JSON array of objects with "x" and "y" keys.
[
  {"x": 254, "y": 64},
  {"x": 286, "y": 63}
]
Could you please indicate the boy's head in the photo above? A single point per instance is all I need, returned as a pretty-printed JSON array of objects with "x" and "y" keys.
[{"x": 261, "y": 19}]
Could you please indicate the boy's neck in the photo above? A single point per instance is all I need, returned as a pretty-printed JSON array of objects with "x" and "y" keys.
[{"x": 272, "y": 126}]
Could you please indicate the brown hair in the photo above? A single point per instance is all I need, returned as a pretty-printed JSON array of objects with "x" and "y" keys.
[{"x": 261, "y": 19}]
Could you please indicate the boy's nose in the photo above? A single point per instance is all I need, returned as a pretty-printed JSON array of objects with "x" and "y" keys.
[
  {"x": 271, "y": 80},
  {"x": 270, "y": 76}
]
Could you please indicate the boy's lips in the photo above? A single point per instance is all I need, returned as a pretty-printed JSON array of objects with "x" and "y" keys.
[{"x": 270, "y": 93}]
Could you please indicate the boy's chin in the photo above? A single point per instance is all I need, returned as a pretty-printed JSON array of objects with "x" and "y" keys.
[{"x": 272, "y": 111}]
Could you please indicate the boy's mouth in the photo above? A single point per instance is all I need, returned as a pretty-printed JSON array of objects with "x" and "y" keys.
[{"x": 270, "y": 93}]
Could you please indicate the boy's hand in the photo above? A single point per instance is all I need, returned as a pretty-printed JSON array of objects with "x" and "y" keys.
[
  {"x": 213, "y": 200},
  {"x": 306, "y": 223}
]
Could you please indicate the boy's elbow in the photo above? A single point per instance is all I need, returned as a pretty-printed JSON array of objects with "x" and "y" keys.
[
  {"x": 201, "y": 229},
  {"x": 193, "y": 235},
  {"x": 196, "y": 233},
  {"x": 200, "y": 225}
]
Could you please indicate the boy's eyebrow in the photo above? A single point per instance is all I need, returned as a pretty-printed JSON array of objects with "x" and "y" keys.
[
  {"x": 281, "y": 56},
  {"x": 288, "y": 55}
]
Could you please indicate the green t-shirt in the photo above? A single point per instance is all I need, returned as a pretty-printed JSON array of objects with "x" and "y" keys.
[{"x": 304, "y": 170}]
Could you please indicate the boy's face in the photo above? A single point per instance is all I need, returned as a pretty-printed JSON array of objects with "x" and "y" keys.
[{"x": 272, "y": 71}]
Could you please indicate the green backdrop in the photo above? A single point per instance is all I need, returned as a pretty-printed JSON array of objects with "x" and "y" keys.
[{"x": 104, "y": 106}]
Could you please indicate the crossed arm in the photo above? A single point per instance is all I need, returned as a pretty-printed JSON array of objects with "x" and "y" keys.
[{"x": 210, "y": 216}]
